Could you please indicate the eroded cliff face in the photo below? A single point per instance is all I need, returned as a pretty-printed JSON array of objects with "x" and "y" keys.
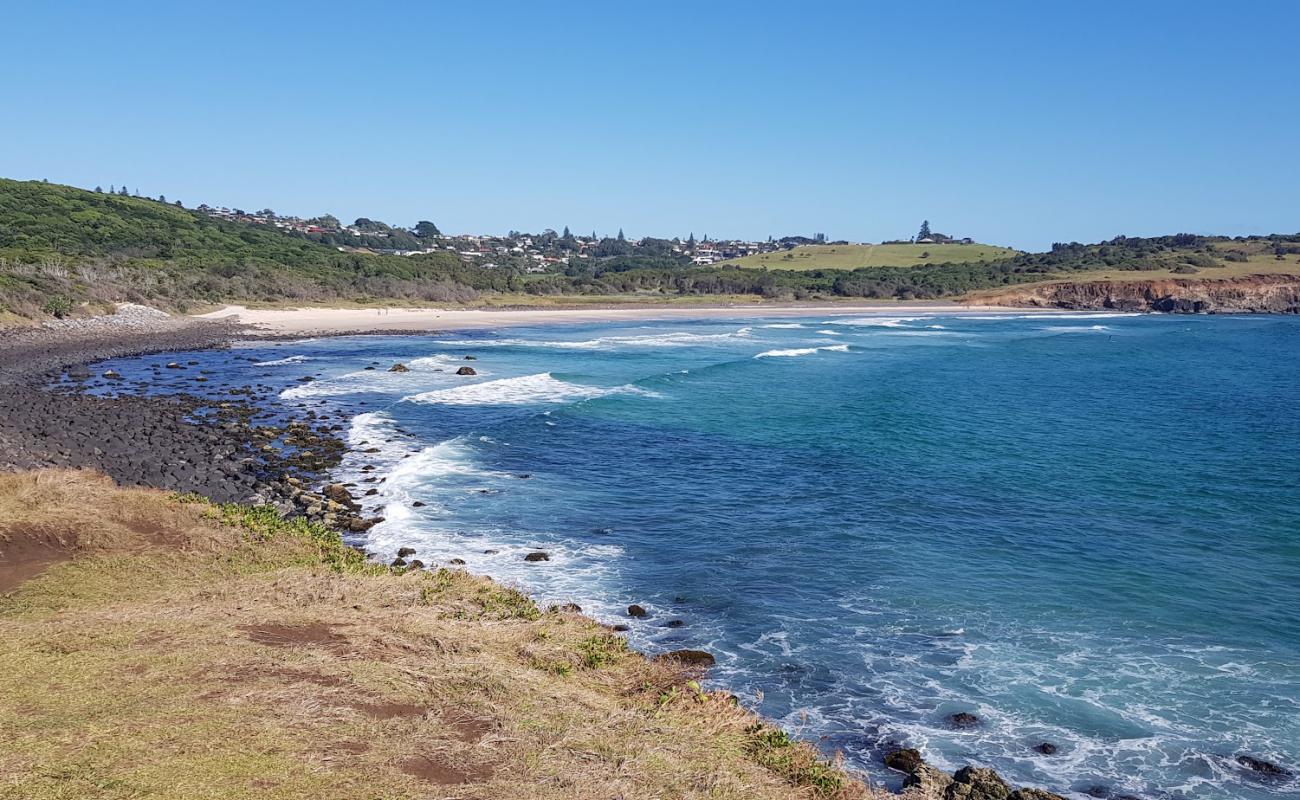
[{"x": 1260, "y": 294}]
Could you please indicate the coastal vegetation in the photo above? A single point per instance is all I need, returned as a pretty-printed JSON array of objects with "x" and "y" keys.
[
  {"x": 66, "y": 251},
  {"x": 157, "y": 645}
]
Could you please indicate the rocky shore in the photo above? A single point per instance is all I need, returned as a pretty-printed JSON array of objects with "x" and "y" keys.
[
  {"x": 1255, "y": 294},
  {"x": 238, "y": 450}
]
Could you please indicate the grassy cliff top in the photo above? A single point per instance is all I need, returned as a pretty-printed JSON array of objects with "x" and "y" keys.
[
  {"x": 854, "y": 256},
  {"x": 173, "y": 648}
]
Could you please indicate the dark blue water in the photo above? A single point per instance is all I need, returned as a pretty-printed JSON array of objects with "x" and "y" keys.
[{"x": 1082, "y": 529}]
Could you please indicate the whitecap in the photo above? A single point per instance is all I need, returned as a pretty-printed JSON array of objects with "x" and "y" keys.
[
  {"x": 784, "y": 325},
  {"x": 538, "y": 389},
  {"x": 802, "y": 351},
  {"x": 280, "y": 361}
]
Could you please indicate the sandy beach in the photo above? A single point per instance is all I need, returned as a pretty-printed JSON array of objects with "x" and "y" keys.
[{"x": 335, "y": 320}]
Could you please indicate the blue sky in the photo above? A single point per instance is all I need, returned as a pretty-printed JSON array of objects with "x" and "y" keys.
[{"x": 1019, "y": 123}]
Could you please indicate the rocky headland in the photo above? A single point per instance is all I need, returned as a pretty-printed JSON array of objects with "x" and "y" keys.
[{"x": 1256, "y": 294}]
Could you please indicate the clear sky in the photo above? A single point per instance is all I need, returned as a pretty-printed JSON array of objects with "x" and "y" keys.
[{"x": 1014, "y": 122}]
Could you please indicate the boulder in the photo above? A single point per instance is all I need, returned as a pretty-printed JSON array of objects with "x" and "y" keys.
[
  {"x": 928, "y": 782},
  {"x": 457, "y": 562},
  {"x": 977, "y": 783},
  {"x": 399, "y": 367},
  {"x": 676, "y": 623},
  {"x": 635, "y": 610},
  {"x": 471, "y": 358},
  {"x": 416, "y": 564},
  {"x": 538, "y": 556},
  {"x": 569, "y": 608},
  {"x": 112, "y": 375},
  {"x": 1046, "y": 748},
  {"x": 907, "y": 760},
  {"x": 962, "y": 720},
  {"x": 466, "y": 371},
  {"x": 622, "y": 628},
  {"x": 690, "y": 658},
  {"x": 403, "y": 552},
  {"x": 1033, "y": 794}
]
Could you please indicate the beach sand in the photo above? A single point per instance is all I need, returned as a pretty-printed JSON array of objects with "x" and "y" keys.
[{"x": 335, "y": 320}]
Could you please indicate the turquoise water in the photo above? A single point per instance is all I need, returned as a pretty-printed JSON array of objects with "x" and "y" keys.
[{"x": 1082, "y": 529}]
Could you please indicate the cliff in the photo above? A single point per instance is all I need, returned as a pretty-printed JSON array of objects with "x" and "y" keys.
[{"x": 1258, "y": 294}]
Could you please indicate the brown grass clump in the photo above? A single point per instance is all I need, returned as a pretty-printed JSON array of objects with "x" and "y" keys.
[{"x": 186, "y": 650}]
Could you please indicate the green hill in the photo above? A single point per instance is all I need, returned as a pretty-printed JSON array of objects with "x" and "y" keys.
[
  {"x": 60, "y": 241},
  {"x": 853, "y": 256}
]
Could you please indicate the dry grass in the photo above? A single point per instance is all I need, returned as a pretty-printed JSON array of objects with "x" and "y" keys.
[{"x": 201, "y": 652}]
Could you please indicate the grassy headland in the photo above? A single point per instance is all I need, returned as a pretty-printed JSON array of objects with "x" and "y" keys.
[
  {"x": 854, "y": 256},
  {"x": 175, "y": 648}
]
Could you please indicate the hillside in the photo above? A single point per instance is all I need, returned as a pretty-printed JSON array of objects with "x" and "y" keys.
[
  {"x": 65, "y": 250},
  {"x": 853, "y": 256},
  {"x": 64, "y": 242},
  {"x": 178, "y": 649}
]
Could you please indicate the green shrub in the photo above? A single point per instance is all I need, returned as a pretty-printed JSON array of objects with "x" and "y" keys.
[{"x": 58, "y": 306}]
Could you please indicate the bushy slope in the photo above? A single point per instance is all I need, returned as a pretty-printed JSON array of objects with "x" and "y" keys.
[{"x": 60, "y": 240}]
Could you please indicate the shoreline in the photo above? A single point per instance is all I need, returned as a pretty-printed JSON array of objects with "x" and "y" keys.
[
  {"x": 293, "y": 487},
  {"x": 396, "y": 320}
]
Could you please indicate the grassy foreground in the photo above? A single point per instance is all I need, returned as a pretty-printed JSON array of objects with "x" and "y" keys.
[
  {"x": 173, "y": 648},
  {"x": 855, "y": 256}
]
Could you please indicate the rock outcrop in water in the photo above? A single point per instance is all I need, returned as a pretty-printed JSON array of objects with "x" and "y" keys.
[{"x": 1257, "y": 294}]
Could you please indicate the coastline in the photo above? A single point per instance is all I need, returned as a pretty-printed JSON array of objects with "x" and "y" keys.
[
  {"x": 338, "y": 321},
  {"x": 295, "y": 488}
]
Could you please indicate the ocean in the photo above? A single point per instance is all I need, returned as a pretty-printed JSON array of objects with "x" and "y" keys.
[{"x": 1081, "y": 528}]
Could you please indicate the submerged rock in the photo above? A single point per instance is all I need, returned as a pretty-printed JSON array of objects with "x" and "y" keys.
[
  {"x": 962, "y": 720},
  {"x": 635, "y": 610},
  {"x": 1262, "y": 767},
  {"x": 399, "y": 367},
  {"x": 538, "y": 556},
  {"x": 1046, "y": 748}
]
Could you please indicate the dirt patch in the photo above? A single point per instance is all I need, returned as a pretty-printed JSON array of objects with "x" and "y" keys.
[
  {"x": 470, "y": 729},
  {"x": 437, "y": 769},
  {"x": 22, "y": 558},
  {"x": 315, "y": 634}
]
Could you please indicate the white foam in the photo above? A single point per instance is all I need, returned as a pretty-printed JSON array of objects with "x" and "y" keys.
[
  {"x": 802, "y": 351},
  {"x": 784, "y": 325},
  {"x": 280, "y": 361},
  {"x": 873, "y": 322},
  {"x": 671, "y": 339},
  {"x": 1075, "y": 328},
  {"x": 539, "y": 389}
]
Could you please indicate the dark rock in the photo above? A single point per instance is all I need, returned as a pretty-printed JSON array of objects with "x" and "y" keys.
[
  {"x": 416, "y": 564},
  {"x": 1037, "y": 794},
  {"x": 962, "y": 720},
  {"x": 635, "y": 610},
  {"x": 417, "y": 504},
  {"x": 676, "y": 623},
  {"x": 457, "y": 562},
  {"x": 470, "y": 358},
  {"x": 691, "y": 658},
  {"x": 466, "y": 371},
  {"x": 306, "y": 379},
  {"x": 977, "y": 783},
  {"x": 112, "y": 375},
  {"x": 1046, "y": 748},
  {"x": 1262, "y": 767},
  {"x": 399, "y": 367},
  {"x": 398, "y": 562},
  {"x": 569, "y": 608},
  {"x": 490, "y": 552},
  {"x": 537, "y": 556},
  {"x": 622, "y": 628},
  {"x": 907, "y": 760},
  {"x": 370, "y": 492}
]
